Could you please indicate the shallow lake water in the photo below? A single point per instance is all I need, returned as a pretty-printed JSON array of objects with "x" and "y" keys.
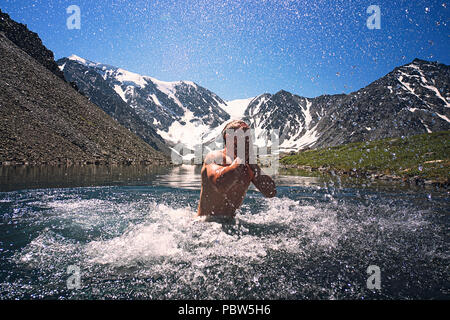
[{"x": 131, "y": 235}]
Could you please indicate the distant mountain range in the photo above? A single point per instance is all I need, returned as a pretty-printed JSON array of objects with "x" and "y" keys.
[{"x": 411, "y": 99}]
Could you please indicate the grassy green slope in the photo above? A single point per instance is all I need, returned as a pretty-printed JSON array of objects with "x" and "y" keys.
[{"x": 425, "y": 156}]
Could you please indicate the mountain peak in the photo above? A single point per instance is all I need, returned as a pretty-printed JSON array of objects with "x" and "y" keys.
[
  {"x": 417, "y": 60},
  {"x": 74, "y": 57},
  {"x": 124, "y": 75},
  {"x": 283, "y": 93},
  {"x": 29, "y": 42}
]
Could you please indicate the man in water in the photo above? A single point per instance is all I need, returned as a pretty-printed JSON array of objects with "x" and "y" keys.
[{"x": 226, "y": 177}]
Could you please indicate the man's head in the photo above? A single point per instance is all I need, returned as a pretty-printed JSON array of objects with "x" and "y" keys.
[
  {"x": 234, "y": 125},
  {"x": 231, "y": 130}
]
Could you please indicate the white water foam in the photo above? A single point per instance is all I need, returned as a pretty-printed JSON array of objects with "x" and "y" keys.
[{"x": 172, "y": 234}]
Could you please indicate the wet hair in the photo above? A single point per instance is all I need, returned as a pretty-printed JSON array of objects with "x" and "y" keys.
[{"x": 235, "y": 124}]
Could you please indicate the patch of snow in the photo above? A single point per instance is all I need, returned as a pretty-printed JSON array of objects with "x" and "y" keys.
[
  {"x": 74, "y": 57},
  {"x": 128, "y": 77},
  {"x": 190, "y": 134},
  {"x": 168, "y": 88},
  {"x": 307, "y": 113},
  {"x": 258, "y": 106},
  {"x": 413, "y": 65},
  {"x": 236, "y": 108},
  {"x": 443, "y": 117},
  {"x": 429, "y": 87},
  {"x": 190, "y": 83},
  {"x": 308, "y": 138},
  {"x": 438, "y": 94},
  {"x": 406, "y": 85},
  {"x": 155, "y": 99},
  {"x": 119, "y": 91},
  {"x": 295, "y": 143},
  {"x": 426, "y": 127}
]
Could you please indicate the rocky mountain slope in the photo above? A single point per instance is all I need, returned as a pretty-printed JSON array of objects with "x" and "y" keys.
[{"x": 44, "y": 120}]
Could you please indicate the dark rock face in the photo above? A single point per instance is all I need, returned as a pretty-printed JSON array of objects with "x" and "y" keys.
[
  {"x": 43, "y": 120},
  {"x": 412, "y": 99},
  {"x": 29, "y": 42},
  {"x": 157, "y": 103}
]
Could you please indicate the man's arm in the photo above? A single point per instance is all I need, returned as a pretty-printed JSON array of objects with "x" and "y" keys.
[{"x": 263, "y": 182}]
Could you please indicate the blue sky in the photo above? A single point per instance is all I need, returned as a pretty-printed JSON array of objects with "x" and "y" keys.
[{"x": 240, "y": 49}]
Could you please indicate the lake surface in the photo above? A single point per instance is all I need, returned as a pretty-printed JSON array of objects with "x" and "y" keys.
[{"x": 130, "y": 233}]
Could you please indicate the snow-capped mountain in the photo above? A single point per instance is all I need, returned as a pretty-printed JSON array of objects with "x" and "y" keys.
[
  {"x": 411, "y": 99},
  {"x": 180, "y": 111}
]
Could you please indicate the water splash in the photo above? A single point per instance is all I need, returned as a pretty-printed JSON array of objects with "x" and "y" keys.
[{"x": 144, "y": 243}]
